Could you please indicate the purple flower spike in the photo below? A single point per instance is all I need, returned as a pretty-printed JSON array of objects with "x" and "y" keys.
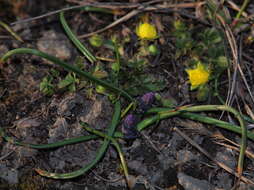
[
  {"x": 130, "y": 120},
  {"x": 148, "y": 98},
  {"x": 145, "y": 102},
  {"x": 129, "y": 127}
]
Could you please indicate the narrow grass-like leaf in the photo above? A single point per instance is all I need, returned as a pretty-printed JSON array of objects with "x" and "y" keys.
[
  {"x": 75, "y": 40},
  {"x": 68, "y": 67},
  {"x": 185, "y": 109},
  {"x": 115, "y": 143},
  {"x": 99, "y": 154},
  {"x": 15, "y": 35}
]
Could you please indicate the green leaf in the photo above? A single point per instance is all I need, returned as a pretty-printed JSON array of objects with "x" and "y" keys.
[
  {"x": 69, "y": 79},
  {"x": 96, "y": 40},
  {"x": 203, "y": 93},
  {"x": 46, "y": 86},
  {"x": 100, "y": 74},
  {"x": 144, "y": 83},
  {"x": 72, "y": 87},
  {"x": 222, "y": 62},
  {"x": 55, "y": 73},
  {"x": 79, "y": 62}
]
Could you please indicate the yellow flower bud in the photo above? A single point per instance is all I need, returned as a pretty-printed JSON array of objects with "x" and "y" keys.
[
  {"x": 146, "y": 31},
  {"x": 198, "y": 76}
]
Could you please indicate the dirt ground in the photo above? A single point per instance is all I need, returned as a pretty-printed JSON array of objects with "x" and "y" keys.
[{"x": 161, "y": 157}]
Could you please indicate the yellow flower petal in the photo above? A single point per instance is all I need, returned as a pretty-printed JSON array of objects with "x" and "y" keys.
[
  {"x": 198, "y": 76},
  {"x": 146, "y": 31}
]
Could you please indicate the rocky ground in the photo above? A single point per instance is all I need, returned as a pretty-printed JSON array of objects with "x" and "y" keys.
[{"x": 161, "y": 158}]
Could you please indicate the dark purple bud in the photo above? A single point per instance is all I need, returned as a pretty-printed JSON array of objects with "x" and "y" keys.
[
  {"x": 129, "y": 127},
  {"x": 130, "y": 120},
  {"x": 148, "y": 98},
  {"x": 145, "y": 102}
]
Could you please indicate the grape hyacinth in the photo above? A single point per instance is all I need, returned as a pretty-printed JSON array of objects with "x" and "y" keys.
[
  {"x": 129, "y": 127},
  {"x": 145, "y": 102}
]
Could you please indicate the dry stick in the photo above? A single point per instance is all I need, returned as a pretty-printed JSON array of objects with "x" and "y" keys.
[
  {"x": 100, "y": 5},
  {"x": 141, "y": 8},
  {"x": 234, "y": 53},
  {"x": 228, "y": 169},
  {"x": 118, "y": 5},
  {"x": 122, "y": 19},
  {"x": 248, "y": 153},
  {"x": 221, "y": 137},
  {"x": 236, "y": 7},
  {"x": 9, "y": 29},
  {"x": 233, "y": 46},
  {"x": 6, "y": 155}
]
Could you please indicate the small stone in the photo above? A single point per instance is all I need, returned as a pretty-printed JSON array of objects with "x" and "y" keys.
[
  {"x": 68, "y": 104},
  {"x": 138, "y": 167},
  {"x": 191, "y": 183},
  {"x": 9, "y": 174},
  {"x": 184, "y": 156},
  {"x": 224, "y": 180},
  {"x": 55, "y": 44},
  {"x": 226, "y": 157}
]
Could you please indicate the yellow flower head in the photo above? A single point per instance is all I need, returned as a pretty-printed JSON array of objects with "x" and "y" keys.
[
  {"x": 146, "y": 31},
  {"x": 198, "y": 76}
]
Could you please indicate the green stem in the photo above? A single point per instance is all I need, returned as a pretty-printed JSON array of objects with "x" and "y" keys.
[
  {"x": 75, "y": 40},
  {"x": 6, "y": 27},
  {"x": 99, "y": 154},
  {"x": 244, "y": 5},
  {"x": 245, "y": 117},
  {"x": 66, "y": 66},
  {"x": 216, "y": 90},
  {"x": 165, "y": 114},
  {"x": 115, "y": 143}
]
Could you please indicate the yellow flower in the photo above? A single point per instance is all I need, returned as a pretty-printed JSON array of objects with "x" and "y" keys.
[
  {"x": 146, "y": 31},
  {"x": 198, "y": 76}
]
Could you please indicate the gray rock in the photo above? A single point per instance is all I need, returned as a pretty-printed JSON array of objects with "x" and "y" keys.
[
  {"x": 191, "y": 183},
  {"x": 174, "y": 142},
  {"x": 68, "y": 104},
  {"x": 24, "y": 124},
  {"x": 244, "y": 186},
  {"x": 223, "y": 181},
  {"x": 55, "y": 44},
  {"x": 226, "y": 157},
  {"x": 58, "y": 130},
  {"x": 166, "y": 162},
  {"x": 9, "y": 174},
  {"x": 184, "y": 156},
  {"x": 96, "y": 113},
  {"x": 138, "y": 166}
]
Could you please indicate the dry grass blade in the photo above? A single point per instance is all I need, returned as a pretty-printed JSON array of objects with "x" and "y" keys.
[
  {"x": 122, "y": 19},
  {"x": 247, "y": 152},
  {"x": 236, "y": 7},
  {"x": 219, "y": 137},
  {"x": 237, "y": 67},
  {"x": 244, "y": 179},
  {"x": 140, "y": 9},
  {"x": 9, "y": 29}
]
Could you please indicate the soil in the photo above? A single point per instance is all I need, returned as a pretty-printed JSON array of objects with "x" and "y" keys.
[{"x": 159, "y": 159}]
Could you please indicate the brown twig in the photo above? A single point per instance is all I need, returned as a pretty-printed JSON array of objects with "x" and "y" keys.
[
  {"x": 222, "y": 165},
  {"x": 236, "y": 62},
  {"x": 114, "y": 5},
  {"x": 236, "y": 7},
  {"x": 140, "y": 9}
]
